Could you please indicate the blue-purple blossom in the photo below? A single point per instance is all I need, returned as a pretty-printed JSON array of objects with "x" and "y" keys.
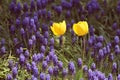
[
  {"x": 79, "y": 62},
  {"x": 71, "y": 68},
  {"x": 14, "y": 71},
  {"x": 44, "y": 65},
  {"x": 48, "y": 77},
  {"x": 50, "y": 70},
  {"x": 9, "y": 77},
  {"x": 42, "y": 76}
]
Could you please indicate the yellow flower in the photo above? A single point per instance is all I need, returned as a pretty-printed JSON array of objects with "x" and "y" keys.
[
  {"x": 80, "y": 28},
  {"x": 59, "y": 28}
]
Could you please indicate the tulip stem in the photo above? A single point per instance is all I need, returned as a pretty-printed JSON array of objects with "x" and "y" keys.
[
  {"x": 83, "y": 47},
  {"x": 61, "y": 40}
]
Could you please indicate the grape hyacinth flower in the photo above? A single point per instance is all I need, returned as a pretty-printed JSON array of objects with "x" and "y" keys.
[
  {"x": 35, "y": 71},
  {"x": 71, "y": 68},
  {"x": 79, "y": 62},
  {"x": 48, "y": 77},
  {"x": 44, "y": 65},
  {"x": 22, "y": 59},
  {"x": 28, "y": 67},
  {"x": 64, "y": 72},
  {"x": 114, "y": 67},
  {"x": 55, "y": 71},
  {"x": 85, "y": 68},
  {"x": 42, "y": 49},
  {"x": 50, "y": 70},
  {"x": 42, "y": 76},
  {"x": 14, "y": 71},
  {"x": 10, "y": 64},
  {"x": 25, "y": 7},
  {"x": 34, "y": 57},
  {"x": 110, "y": 77},
  {"x": 114, "y": 26},
  {"x": 60, "y": 65},
  {"x": 116, "y": 39},
  {"x": 111, "y": 57},
  {"x": 33, "y": 78},
  {"x": 118, "y": 78},
  {"x": 9, "y": 77},
  {"x": 93, "y": 66},
  {"x": 3, "y": 50}
]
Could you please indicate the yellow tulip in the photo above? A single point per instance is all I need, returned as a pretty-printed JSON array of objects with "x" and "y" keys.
[
  {"x": 80, "y": 28},
  {"x": 59, "y": 28}
]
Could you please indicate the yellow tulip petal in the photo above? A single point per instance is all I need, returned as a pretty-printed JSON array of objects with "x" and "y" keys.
[
  {"x": 56, "y": 28},
  {"x": 75, "y": 29},
  {"x": 84, "y": 27},
  {"x": 81, "y": 28},
  {"x": 54, "y": 32},
  {"x": 62, "y": 27}
]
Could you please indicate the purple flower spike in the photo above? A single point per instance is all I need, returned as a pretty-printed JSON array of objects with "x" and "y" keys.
[
  {"x": 32, "y": 5},
  {"x": 93, "y": 66},
  {"x": 10, "y": 64},
  {"x": 25, "y": 7},
  {"x": 30, "y": 43},
  {"x": 39, "y": 4},
  {"x": 116, "y": 39},
  {"x": 50, "y": 70},
  {"x": 55, "y": 71},
  {"x": 35, "y": 71},
  {"x": 90, "y": 74},
  {"x": 44, "y": 12},
  {"x": 22, "y": 31},
  {"x": 91, "y": 30},
  {"x": 110, "y": 77},
  {"x": 118, "y": 78},
  {"x": 60, "y": 65},
  {"x": 111, "y": 57},
  {"x": 49, "y": 15},
  {"x": 52, "y": 41},
  {"x": 101, "y": 54},
  {"x": 117, "y": 49},
  {"x": 19, "y": 7},
  {"x": 58, "y": 9},
  {"x": 48, "y": 77},
  {"x": 55, "y": 60},
  {"x": 42, "y": 49},
  {"x": 101, "y": 38},
  {"x": 79, "y": 62},
  {"x": 42, "y": 76},
  {"x": 114, "y": 67},
  {"x": 22, "y": 59},
  {"x": 9, "y": 77},
  {"x": 3, "y": 50},
  {"x": 44, "y": 65},
  {"x": 28, "y": 67},
  {"x": 46, "y": 34},
  {"x": 64, "y": 72},
  {"x": 35, "y": 58},
  {"x": 40, "y": 56},
  {"x": 12, "y": 7},
  {"x": 68, "y": 14},
  {"x": 14, "y": 71},
  {"x": 66, "y": 5},
  {"x": 33, "y": 78},
  {"x": 85, "y": 68},
  {"x": 71, "y": 68},
  {"x": 114, "y": 26},
  {"x": 27, "y": 53},
  {"x": 25, "y": 21}
]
